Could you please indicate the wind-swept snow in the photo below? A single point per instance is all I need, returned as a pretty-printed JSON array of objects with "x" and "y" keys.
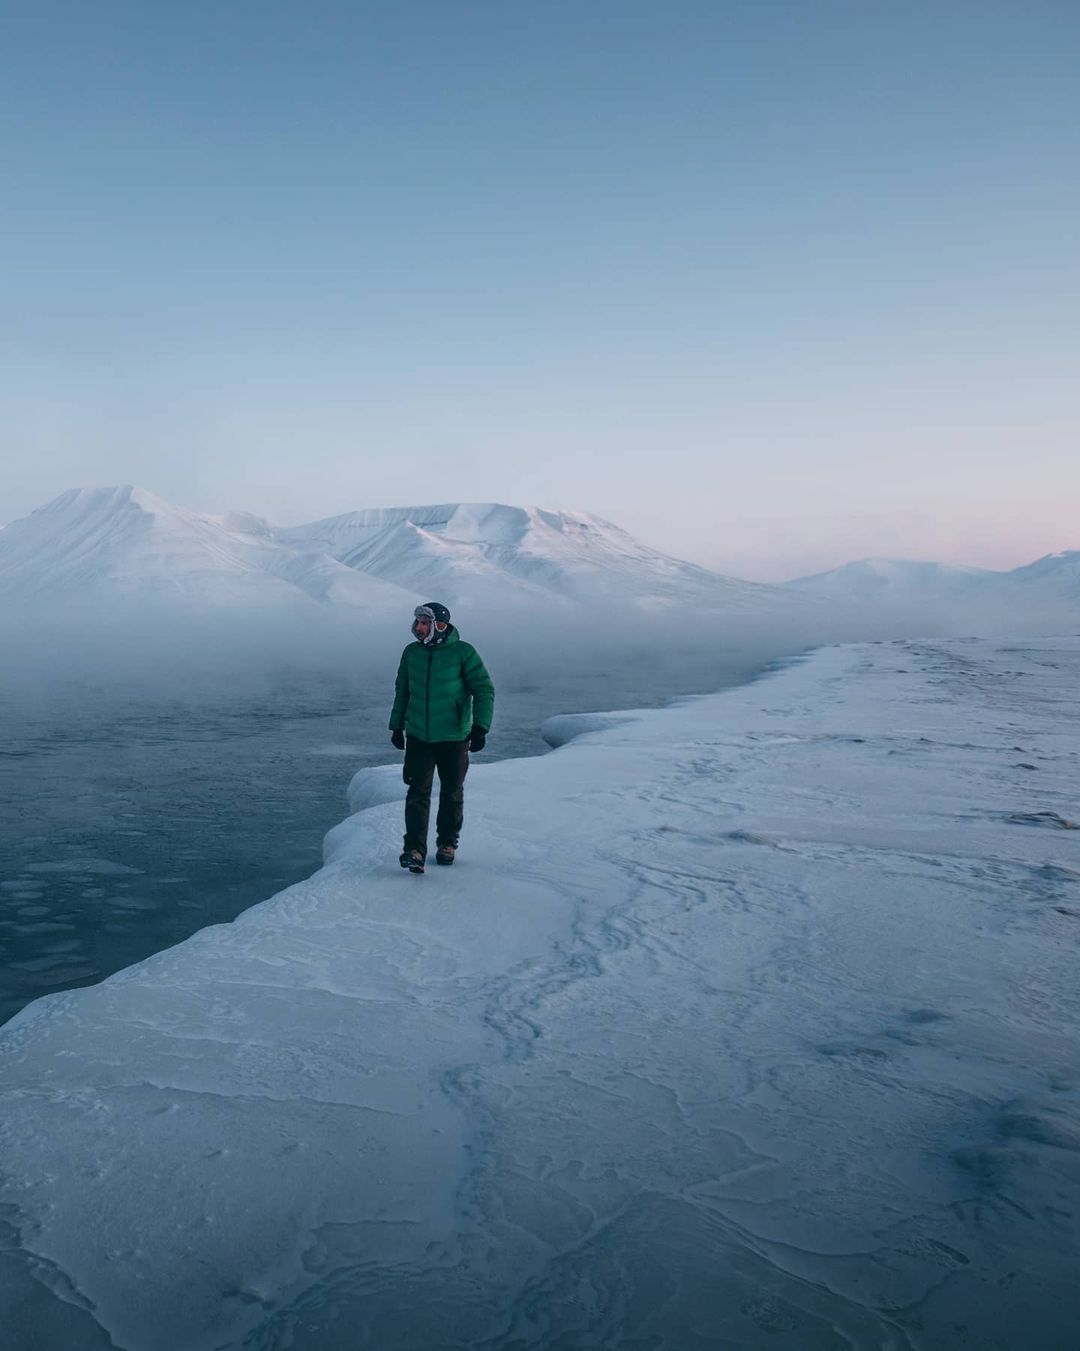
[{"x": 748, "y": 1022}]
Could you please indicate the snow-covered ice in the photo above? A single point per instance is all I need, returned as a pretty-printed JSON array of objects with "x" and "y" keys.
[{"x": 748, "y": 1022}]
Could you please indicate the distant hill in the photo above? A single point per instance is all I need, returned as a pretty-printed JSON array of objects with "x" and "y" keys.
[
  {"x": 1056, "y": 575},
  {"x": 898, "y": 578},
  {"x": 1044, "y": 592}
]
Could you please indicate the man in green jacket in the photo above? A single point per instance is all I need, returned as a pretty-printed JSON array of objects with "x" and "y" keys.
[{"x": 443, "y": 705}]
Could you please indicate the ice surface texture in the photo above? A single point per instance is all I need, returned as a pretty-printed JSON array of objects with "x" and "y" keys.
[{"x": 750, "y": 1022}]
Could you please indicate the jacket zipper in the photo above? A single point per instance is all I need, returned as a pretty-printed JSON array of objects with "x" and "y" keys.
[{"x": 427, "y": 696}]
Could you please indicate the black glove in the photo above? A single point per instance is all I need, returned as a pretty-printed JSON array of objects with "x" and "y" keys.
[
  {"x": 397, "y": 740},
  {"x": 477, "y": 738}
]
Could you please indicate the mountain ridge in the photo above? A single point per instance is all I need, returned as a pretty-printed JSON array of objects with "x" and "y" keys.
[
  {"x": 1053, "y": 579},
  {"x": 125, "y": 541}
]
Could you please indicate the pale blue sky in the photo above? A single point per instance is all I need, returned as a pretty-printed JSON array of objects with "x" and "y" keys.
[{"x": 771, "y": 284}]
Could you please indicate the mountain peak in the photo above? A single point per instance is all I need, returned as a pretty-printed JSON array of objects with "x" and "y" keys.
[
  {"x": 125, "y": 541},
  {"x": 494, "y": 553},
  {"x": 881, "y": 572},
  {"x": 103, "y": 500}
]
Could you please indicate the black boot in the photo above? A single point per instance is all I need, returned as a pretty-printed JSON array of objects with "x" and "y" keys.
[{"x": 412, "y": 859}]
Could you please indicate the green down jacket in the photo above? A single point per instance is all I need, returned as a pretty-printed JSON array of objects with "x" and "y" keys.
[{"x": 440, "y": 692}]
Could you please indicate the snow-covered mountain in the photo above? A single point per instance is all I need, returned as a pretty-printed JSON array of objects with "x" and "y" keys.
[
  {"x": 126, "y": 545},
  {"x": 1046, "y": 591},
  {"x": 494, "y": 553},
  {"x": 897, "y": 578},
  {"x": 1056, "y": 574},
  {"x": 129, "y": 544}
]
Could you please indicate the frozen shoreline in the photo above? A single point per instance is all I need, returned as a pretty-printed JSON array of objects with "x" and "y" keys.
[
  {"x": 222, "y": 799},
  {"x": 750, "y": 1020}
]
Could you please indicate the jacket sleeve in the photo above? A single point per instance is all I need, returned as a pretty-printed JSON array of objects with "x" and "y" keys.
[
  {"x": 479, "y": 685},
  {"x": 401, "y": 696}
]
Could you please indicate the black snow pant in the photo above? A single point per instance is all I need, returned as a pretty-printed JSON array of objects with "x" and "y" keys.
[{"x": 422, "y": 759}]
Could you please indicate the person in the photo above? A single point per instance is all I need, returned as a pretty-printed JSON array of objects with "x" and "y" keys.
[{"x": 444, "y": 701}]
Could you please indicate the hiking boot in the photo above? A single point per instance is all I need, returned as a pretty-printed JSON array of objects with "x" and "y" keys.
[
  {"x": 412, "y": 859},
  {"x": 444, "y": 854}
]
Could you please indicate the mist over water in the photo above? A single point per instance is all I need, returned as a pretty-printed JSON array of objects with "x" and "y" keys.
[
  {"x": 163, "y": 769},
  {"x": 164, "y": 773}
]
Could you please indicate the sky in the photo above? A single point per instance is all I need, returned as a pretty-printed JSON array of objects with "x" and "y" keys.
[{"x": 772, "y": 285}]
